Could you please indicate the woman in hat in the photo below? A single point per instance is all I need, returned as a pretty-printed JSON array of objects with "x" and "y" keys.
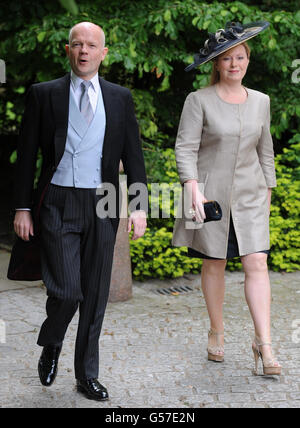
[{"x": 224, "y": 152}]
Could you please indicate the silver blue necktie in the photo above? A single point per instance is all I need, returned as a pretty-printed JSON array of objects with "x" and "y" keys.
[{"x": 85, "y": 104}]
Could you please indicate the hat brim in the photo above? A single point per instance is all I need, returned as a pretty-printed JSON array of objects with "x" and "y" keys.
[{"x": 251, "y": 31}]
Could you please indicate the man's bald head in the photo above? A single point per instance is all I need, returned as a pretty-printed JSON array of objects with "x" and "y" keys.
[
  {"x": 88, "y": 26},
  {"x": 86, "y": 49}
]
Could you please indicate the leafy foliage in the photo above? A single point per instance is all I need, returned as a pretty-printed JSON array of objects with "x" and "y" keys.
[
  {"x": 150, "y": 43},
  {"x": 285, "y": 219}
]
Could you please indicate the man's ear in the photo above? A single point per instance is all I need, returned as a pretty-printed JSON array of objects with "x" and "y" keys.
[
  {"x": 104, "y": 53},
  {"x": 67, "y": 47}
]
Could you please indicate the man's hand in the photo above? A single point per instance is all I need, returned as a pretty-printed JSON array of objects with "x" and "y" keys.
[
  {"x": 139, "y": 222},
  {"x": 23, "y": 224}
]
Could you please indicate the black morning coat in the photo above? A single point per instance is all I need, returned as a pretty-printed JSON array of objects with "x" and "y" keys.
[{"x": 45, "y": 125}]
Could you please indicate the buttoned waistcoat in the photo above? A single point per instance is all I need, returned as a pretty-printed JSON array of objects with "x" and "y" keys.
[{"x": 80, "y": 165}]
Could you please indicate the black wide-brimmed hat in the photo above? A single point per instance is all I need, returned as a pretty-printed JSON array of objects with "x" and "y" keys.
[{"x": 234, "y": 34}]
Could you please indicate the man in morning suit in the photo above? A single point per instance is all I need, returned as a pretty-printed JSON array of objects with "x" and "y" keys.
[{"x": 84, "y": 126}]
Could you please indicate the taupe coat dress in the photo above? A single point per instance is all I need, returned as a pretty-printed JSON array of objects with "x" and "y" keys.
[{"x": 228, "y": 148}]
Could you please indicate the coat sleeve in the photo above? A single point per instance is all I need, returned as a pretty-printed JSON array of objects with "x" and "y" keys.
[
  {"x": 265, "y": 149},
  {"x": 132, "y": 156},
  {"x": 27, "y": 151},
  {"x": 189, "y": 138}
]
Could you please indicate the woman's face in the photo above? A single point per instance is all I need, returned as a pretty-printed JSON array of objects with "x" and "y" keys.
[{"x": 232, "y": 65}]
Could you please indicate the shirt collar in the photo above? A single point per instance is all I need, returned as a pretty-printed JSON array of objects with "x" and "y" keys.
[{"x": 76, "y": 81}]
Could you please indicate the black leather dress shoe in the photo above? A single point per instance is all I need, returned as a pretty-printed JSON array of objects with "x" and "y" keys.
[
  {"x": 92, "y": 389},
  {"x": 47, "y": 366}
]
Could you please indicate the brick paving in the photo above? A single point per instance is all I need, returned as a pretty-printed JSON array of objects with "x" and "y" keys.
[{"x": 153, "y": 349}]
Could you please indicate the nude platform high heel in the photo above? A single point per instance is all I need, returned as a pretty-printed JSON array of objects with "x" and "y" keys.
[
  {"x": 215, "y": 353},
  {"x": 270, "y": 367}
]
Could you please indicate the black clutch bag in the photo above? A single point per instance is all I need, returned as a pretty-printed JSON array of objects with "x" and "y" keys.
[{"x": 212, "y": 211}]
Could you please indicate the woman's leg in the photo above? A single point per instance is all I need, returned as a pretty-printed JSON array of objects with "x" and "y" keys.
[
  {"x": 213, "y": 287},
  {"x": 258, "y": 297}
]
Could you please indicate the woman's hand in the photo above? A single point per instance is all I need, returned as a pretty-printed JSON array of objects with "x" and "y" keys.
[{"x": 197, "y": 199}]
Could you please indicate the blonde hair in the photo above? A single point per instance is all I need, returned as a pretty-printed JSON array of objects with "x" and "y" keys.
[{"x": 215, "y": 76}]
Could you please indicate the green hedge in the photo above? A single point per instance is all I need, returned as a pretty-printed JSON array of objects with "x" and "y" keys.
[{"x": 153, "y": 256}]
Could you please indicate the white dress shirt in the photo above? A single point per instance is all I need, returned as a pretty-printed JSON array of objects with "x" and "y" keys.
[{"x": 93, "y": 90}]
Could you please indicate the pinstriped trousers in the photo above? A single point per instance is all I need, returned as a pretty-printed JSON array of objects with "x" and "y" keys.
[{"x": 77, "y": 254}]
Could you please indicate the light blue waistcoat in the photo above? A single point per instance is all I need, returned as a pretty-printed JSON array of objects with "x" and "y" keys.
[{"x": 80, "y": 165}]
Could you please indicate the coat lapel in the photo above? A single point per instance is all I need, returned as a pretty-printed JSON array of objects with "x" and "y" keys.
[
  {"x": 60, "y": 102},
  {"x": 111, "y": 108}
]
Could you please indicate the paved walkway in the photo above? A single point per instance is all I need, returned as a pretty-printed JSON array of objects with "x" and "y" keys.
[{"x": 153, "y": 349}]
